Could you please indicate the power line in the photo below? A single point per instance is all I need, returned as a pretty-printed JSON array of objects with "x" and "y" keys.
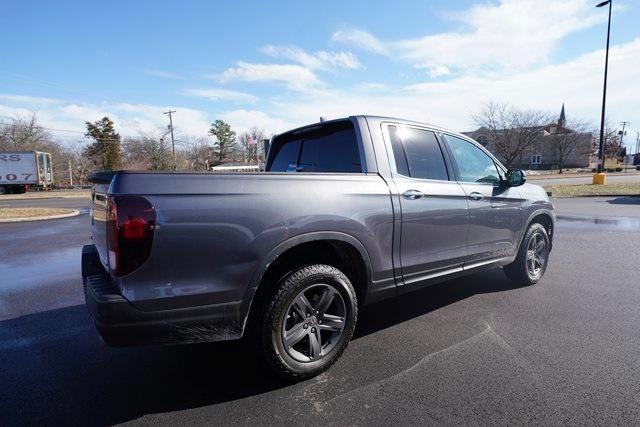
[{"x": 80, "y": 133}]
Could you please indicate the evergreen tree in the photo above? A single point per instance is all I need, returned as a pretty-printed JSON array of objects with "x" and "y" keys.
[
  {"x": 225, "y": 138},
  {"x": 105, "y": 151}
]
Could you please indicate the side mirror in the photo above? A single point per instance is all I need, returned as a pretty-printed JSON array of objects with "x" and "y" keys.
[{"x": 515, "y": 177}]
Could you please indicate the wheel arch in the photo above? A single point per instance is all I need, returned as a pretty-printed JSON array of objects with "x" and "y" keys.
[
  {"x": 547, "y": 219},
  {"x": 340, "y": 250}
]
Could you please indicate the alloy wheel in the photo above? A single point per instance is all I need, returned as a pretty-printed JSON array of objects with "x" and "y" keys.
[
  {"x": 536, "y": 255},
  {"x": 313, "y": 323}
]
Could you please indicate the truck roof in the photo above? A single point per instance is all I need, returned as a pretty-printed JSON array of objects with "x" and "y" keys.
[{"x": 371, "y": 117}]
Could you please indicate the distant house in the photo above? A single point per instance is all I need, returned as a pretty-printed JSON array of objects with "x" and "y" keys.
[{"x": 544, "y": 154}]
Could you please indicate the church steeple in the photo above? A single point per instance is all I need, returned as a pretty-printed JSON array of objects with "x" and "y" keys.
[{"x": 562, "y": 120}]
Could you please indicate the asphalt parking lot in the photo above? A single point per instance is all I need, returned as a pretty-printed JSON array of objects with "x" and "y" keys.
[{"x": 475, "y": 350}]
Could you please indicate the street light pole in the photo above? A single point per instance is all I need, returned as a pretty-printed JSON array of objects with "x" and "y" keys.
[{"x": 604, "y": 100}]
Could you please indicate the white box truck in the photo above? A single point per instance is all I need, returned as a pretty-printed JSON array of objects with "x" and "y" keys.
[{"x": 21, "y": 169}]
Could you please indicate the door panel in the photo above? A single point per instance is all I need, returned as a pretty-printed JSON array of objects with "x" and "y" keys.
[
  {"x": 434, "y": 227},
  {"x": 494, "y": 222},
  {"x": 434, "y": 211},
  {"x": 495, "y": 210}
]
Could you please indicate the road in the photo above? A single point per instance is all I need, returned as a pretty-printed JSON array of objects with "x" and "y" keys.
[
  {"x": 631, "y": 177},
  {"x": 476, "y": 350}
]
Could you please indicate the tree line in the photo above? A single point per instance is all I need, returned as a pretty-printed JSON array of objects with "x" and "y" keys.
[
  {"x": 512, "y": 131},
  {"x": 108, "y": 150}
]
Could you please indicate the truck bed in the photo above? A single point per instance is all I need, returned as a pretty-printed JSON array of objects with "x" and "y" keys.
[{"x": 214, "y": 231}]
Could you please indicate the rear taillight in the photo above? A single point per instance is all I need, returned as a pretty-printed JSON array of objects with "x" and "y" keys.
[{"x": 131, "y": 222}]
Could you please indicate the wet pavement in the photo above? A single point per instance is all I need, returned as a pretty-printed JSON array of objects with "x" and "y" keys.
[
  {"x": 476, "y": 350},
  {"x": 598, "y": 207},
  {"x": 40, "y": 260}
]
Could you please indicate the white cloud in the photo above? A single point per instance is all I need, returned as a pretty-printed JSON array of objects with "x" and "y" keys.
[
  {"x": 452, "y": 103},
  {"x": 439, "y": 71},
  {"x": 217, "y": 94},
  {"x": 510, "y": 35},
  {"x": 296, "y": 77},
  {"x": 242, "y": 120},
  {"x": 23, "y": 99},
  {"x": 371, "y": 86},
  {"x": 449, "y": 103},
  {"x": 321, "y": 60},
  {"x": 68, "y": 118},
  {"x": 163, "y": 74},
  {"x": 360, "y": 39}
]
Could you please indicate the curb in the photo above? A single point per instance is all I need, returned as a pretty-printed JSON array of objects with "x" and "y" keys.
[
  {"x": 41, "y": 218},
  {"x": 17, "y": 197},
  {"x": 544, "y": 177},
  {"x": 593, "y": 195}
]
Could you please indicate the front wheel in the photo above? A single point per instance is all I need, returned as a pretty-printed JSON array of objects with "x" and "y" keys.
[
  {"x": 531, "y": 262},
  {"x": 309, "y": 321}
]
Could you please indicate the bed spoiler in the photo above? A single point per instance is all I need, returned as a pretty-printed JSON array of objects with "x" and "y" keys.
[{"x": 102, "y": 177}]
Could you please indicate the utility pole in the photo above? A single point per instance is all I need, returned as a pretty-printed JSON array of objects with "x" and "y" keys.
[
  {"x": 173, "y": 145},
  {"x": 622, "y": 133},
  {"x": 70, "y": 175},
  {"x": 599, "y": 178},
  {"x": 636, "y": 156}
]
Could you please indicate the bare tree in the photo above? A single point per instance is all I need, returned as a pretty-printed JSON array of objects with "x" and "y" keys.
[
  {"x": 575, "y": 138},
  {"x": 612, "y": 144},
  {"x": 511, "y": 131},
  {"x": 24, "y": 134},
  {"x": 198, "y": 154},
  {"x": 81, "y": 165},
  {"x": 150, "y": 151},
  {"x": 249, "y": 142}
]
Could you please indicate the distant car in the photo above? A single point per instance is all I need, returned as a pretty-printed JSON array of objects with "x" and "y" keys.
[
  {"x": 21, "y": 169},
  {"x": 349, "y": 212}
]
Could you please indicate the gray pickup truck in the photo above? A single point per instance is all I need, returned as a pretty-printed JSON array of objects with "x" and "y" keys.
[{"x": 348, "y": 212}]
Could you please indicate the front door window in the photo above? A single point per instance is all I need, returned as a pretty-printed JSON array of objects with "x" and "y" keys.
[{"x": 473, "y": 164}]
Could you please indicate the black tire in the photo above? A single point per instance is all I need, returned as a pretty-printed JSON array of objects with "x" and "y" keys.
[
  {"x": 276, "y": 315},
  {"x": 519, "y": 270}
]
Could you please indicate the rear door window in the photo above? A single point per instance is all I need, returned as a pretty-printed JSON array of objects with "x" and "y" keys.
[
  {"x": 332, "y": 147},
  {"x": 417, "y": 153}
]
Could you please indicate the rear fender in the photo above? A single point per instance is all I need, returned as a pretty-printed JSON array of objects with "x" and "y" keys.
[{"x": 293, "y": 242}]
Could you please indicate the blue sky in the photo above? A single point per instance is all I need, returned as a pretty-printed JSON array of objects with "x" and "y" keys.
[{"x": 281, "y": 64}]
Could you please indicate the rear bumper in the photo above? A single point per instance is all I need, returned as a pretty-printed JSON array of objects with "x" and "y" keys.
[{"x": 121, "y": 324}]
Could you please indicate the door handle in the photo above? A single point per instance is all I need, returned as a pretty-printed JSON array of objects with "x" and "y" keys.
[
  {"x": 476, "y": 196},
  {"x": 413, "y": 194}
]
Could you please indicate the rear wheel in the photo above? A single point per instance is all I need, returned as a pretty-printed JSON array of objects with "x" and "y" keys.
[
  {"x": 309, "y": 321},
  {"x": 531, "y": 262}
]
